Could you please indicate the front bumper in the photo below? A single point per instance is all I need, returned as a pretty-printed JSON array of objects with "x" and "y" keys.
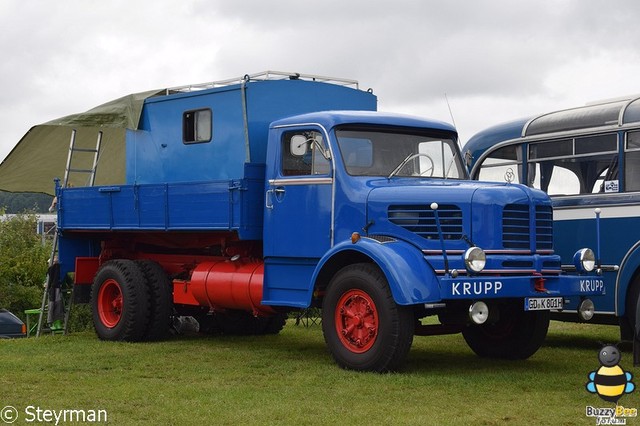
[{"x": 497, "y": 287}]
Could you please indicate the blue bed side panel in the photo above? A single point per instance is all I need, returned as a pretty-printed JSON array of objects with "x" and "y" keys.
[{"x": 226, "y": 205}]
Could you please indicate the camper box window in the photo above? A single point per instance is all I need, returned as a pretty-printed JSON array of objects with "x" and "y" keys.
[{"x": 196, "y": 126}]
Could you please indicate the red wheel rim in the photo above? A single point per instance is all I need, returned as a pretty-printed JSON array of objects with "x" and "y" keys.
[
  {"x": 110, "y": 303},
  {"x": 356, "y": 319}
]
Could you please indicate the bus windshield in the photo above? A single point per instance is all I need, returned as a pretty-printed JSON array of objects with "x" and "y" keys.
[{"x": 397, "y": 153}]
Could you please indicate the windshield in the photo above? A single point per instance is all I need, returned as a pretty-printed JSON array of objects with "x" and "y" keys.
[{"x": 395, "y": 153}]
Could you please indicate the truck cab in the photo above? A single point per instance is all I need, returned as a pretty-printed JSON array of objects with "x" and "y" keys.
[
  {"x": 332, "y": 174},
  {"x": 383, "y": 198}
]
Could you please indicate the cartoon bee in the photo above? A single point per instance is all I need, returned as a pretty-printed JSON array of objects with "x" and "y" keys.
[{"x": 610, "y": 382}]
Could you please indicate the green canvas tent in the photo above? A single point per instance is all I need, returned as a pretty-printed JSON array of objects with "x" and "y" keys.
[{"x": 41, "y": 154}]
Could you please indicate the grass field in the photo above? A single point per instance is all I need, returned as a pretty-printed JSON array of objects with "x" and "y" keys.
[{"x": 291, "y": 379}]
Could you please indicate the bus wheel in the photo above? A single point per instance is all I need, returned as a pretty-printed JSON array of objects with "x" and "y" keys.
[
  {"x": 363, "y": 326},
  {"x": 120, "y": 301},
  {"x": 631, "y": 307},
  {"x": 516, "y": 334},
  {"x": 161, "y": 299}
]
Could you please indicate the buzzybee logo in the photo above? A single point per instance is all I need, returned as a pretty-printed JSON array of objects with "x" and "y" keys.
[{"x": 610, "y": 382}]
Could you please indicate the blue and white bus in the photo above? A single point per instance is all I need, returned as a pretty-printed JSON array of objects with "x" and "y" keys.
[{"x": 587, "y": 159}]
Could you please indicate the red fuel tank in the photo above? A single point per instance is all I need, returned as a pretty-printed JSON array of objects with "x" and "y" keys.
[{"x": 230, "y": 285}]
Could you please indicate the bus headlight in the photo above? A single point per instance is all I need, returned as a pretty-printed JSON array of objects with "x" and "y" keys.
[
  {"x": 586, "y": 310},
  {"x": 585, "y": 260},
  {"x": 475, "y": 259}
]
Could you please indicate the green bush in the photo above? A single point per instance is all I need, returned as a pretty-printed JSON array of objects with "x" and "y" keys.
[
  {"x": 81, "y": 318},
  {"x": 23, "y": 264}
]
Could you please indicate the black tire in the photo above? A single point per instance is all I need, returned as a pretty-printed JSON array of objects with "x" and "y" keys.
[
  {"x": 238, "y": 323},
  {"x": 517, "y": 334},
  {"x": 273, "y": 324},
  {"x": 244, "y": 323},
  {"x": 382, "y": 337},
  {"x": 208, "y": 324},
  {"x": 120, "y": 302},
  {"x": 241, "y": 323},
  {"x": 160, "y": 298}
]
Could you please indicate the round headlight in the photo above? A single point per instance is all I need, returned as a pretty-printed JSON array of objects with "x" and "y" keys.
[
  {"x": 479, "y": 312},
  {"x": 586, "y": 310},
  {"x": 584, "y": 260},
  {"x": 475, "y": 259}
]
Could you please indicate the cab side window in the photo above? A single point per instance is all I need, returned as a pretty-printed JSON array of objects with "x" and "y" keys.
[{"x": 302, "y": 154}]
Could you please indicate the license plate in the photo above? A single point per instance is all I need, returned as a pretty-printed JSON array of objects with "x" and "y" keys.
[{"x": 542, "y": 303}]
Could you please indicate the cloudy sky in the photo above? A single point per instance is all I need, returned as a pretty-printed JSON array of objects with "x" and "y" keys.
[{"x": 494, "y": 60}]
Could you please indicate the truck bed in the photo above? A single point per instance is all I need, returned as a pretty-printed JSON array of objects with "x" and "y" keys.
[{"x": 225, "y": 205}]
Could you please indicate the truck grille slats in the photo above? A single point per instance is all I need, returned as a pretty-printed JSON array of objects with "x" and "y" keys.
[
  {"x": 515, "y": 226},
  {"x": 544, "y": 228},
  {"x": 516, "y": 232},
  {"x": 421, "y": 220}
]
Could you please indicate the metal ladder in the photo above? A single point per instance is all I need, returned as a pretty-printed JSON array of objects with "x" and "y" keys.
[{"x": 44, "y": 306}]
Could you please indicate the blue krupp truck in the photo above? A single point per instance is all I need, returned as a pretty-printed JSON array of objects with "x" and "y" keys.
[{"x": 246, "y": 200}]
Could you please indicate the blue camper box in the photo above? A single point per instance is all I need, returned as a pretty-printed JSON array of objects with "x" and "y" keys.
[{"x": 241, "y": 115}]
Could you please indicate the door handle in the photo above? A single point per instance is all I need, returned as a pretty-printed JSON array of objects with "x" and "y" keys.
[{"x": 268, "y": 199}]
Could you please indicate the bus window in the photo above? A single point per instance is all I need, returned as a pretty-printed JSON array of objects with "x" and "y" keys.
[
  {"x": 585, "y": 175},
  {"x": 553, "y": 149},
  {"x": 557, "y": 180},
  {"x": 632, "y": 162},
  {"x": 581, "y": 165},
  {"x": 502, "y": 164}
]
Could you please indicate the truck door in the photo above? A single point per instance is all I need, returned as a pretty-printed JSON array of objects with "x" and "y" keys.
[{"x": 298, "y": 198}]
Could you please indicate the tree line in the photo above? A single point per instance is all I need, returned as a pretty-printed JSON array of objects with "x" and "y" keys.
[
  {"x": 20, "y": 202},
  {"x": 23, "y": 263}
]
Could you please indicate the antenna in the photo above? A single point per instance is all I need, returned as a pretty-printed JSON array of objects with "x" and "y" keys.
[{"x": 453, "y": 120}]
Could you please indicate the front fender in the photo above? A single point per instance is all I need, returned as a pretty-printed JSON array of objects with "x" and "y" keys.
[{"x": 411, "y": 279}]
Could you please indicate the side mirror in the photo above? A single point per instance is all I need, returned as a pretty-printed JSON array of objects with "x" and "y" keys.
[{"x": 298, "y": 145}]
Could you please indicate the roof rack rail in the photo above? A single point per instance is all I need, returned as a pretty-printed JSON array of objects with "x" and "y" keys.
[{"x": 266, "y": 75}]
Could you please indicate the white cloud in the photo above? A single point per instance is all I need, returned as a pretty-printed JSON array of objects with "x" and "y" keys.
[{"x": 495, "y": 59}]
